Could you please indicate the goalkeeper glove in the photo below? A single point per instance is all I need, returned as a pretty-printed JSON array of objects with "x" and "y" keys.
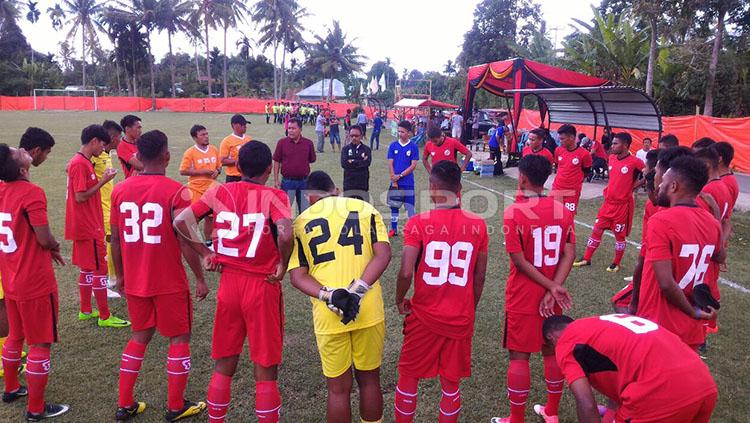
[
  {"x": 359, "y": 288},
  {"x": 340, "y": 301}
]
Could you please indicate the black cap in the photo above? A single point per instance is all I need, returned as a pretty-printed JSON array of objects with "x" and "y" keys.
[{"x": 239, "y": 119}]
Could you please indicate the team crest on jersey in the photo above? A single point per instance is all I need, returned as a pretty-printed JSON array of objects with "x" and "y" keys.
[
  {"x": 624, "y": 170},
  {"x": 559, "y": 158},
  {"x": 213, "y": 159},
  {"x": 351, "y": 152},
  {"x": 576, "y": 161},
  {"x": 93, "y": 177},
  {"x": 432, "y": 154},
  {"x": 610, "y": 168},
  {"x": 395, "y": 151},
  {"x": 408, "y": 153},
  {"x": 447, "y": 152}
]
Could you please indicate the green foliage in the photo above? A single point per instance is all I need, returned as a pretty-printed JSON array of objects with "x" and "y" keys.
[{"x": 334, "y": 55}]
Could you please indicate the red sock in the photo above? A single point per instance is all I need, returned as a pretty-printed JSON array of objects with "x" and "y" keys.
[
  {"x": 619, "y": 250},
  {"x": 267, "y": 401},
  {"x": 219, "y": 396},
  {"x": 130, "y": 365},
  {"x": 519, "y": 383},
  {"x": 555, "y": 380},
  {"x": 450, "y": 403},
  {"x": 178, "y": 369},
  {"x": 593, "y": 243},
  {"x": 85, "y": 279},
  {"x": 406, "y": 399},
  {"x": 37, "y": 373},
  {"x": 100, "y": 293},
  {"x": 11, "y": 362}
]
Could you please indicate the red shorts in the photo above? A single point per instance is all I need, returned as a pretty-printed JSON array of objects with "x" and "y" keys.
[
  {"x": 248, "y": 306},
  {"x": 171, "y": 314},
  {"x": 426, "y": 354},
  {"x": 523, "y": 332},
  {"x": 90, "y": 254},
  {"x": 617, "y": 217},
  {"x": 696, "y": 412},
  {"x": 623, "y": 297},
  {"x": 34, "y": 320}
]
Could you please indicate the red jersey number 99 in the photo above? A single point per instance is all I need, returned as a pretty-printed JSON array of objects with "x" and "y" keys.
[{"x": 449, "y": 260}]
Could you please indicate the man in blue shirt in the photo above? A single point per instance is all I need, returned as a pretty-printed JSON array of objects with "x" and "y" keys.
[
  {"x": 403, "y": 156},
  {"x": 495, "y": 154},
  {"x": 377, "y": 124}
]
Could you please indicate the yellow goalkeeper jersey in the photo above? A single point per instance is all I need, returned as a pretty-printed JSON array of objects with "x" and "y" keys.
[{"x": 333, "y": 239}]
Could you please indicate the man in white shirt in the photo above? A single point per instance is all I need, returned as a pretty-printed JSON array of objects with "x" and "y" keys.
[
  {"x": 320, "y": 131},
  {"x": 362, "y": 122},
  {"x": 457, "y": 122},
  {"x": 641, "y": 154}
]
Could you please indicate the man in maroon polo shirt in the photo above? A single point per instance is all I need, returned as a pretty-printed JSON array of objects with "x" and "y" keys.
[{"x": 292, "y": 157}]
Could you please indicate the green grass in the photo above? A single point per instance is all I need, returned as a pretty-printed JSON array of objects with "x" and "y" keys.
[{"x": 85, "y": 362}]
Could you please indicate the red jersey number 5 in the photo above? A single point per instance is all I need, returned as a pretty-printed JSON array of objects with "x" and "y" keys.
[{"x": 9, "y": 245}]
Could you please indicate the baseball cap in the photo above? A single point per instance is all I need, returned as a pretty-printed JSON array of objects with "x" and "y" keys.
[{"x": 239, "y": 119}]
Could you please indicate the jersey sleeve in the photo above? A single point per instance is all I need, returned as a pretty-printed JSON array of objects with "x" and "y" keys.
[
  {"x": 426, "y": 150},
  {"x": 485, "y": 239},
  {"x": 391, "y": 155},
  {"x": 567, "y": 362},
  {"x": 659, "y": 245},
  {"x": 36, "y": 207},
  {"x": 414, "y": 153},
  {"x": 180, "y": 200},
  {"x": 413, "y": 233},
  {"x": 460, "y": 147},
  {"x": 512, "y": 233},
  {"x": 223, "y": 149},
  {"x": 587, "y": 161},
  {"x": 78, "y": 175},
  {"x": 277, "y": 152},
  {"x": 114, "y": 212},
  {"x": 205, "y": 204},
  {"x": 298, "y": 257},
  {"x": 280, "y": 207},
  {"x": 378, "y": 232},
  {"x": 187, "y": 160}
]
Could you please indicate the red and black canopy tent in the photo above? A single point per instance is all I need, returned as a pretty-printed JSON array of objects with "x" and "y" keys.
[{"x": 515, "y": 74}]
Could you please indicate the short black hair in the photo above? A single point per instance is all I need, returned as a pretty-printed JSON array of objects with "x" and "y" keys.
[
  {"x": 567, "y": 129},
  {"x": 536, "y": 168},
  {"x": 669, "y": 140},
  {"x": 297, "y": 121},
  {"x": 94, "y": 131},
  {"x": 151, "y": 145},
  {"x": 691, "y": 171},
  {"x": 447, "y": 175},
  {"x": 725, "y": 150},
  {"x": 195, "y": 129},
  {"x": 704, "y": 142},
  {"x": 555, "y": 323},
  {"x": 320, "y": 181},
  {"x": 111, "y": 125},
  {"x": 9, "y": 168},
  {"x": 624, "y": 137},
  {"x": 36, "y": 137},
  {"x": 652, "y": 156},
  {"x": 666, "y": 155},
  {"x": 357, "y": 127},
  {"x": 254, "y": 158},
  {"x": 434, "y": 132},
  {"x": 539, "y": 132},
  {"x": 708, "y": 155},
  {"x": 129, "y": 120},
  {"x": 647, "y": 138},
  {"x": 406, "y": 125}
]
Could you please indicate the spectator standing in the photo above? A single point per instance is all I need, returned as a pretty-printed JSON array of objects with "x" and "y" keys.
[
  {"x": 457, "y": 123},
  {"x": 333, "y": 131},
  {"x": 292, "y": 159},
  {"x": 641, "y": 154},
  {"x": 362, "y": 121},
  {"x": 403, "y": 156},
  {"x": 377, "y": 125},
  {"x": 495, "y": 154},
  {"x": 320, "y": 131},
  {"x": 230, "y": 147},
  {"x": 355, "y": 159},
  {"x": 475, "y": 125}
]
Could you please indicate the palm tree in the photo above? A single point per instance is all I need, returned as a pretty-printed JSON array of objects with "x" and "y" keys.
[
  {"x": 229, "y": 14},
  {"x": 245, "y": 44},
  {"x": 335, "y": 55},
  {"x": 450, "y": 68},
  {"x": 33, "y": 14},
  {"x": 173, "y": 16},
  {"x": 291, "y": 36},
  {"x": 83, "y": 15},
  {"x": 267, "y": 14},
  {"x": 205, "y": 14},
  {"x": 56, "y": 15},
  {"x": 9, "y": 12}
]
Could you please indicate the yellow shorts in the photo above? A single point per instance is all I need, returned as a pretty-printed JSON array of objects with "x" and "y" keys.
[{"x": 362, "y": 347}]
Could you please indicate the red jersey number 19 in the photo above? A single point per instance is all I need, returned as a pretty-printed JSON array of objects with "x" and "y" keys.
[
  {"x": 449, "y": 256},
  {"x": 256, "y": 219},
  {"x": 9, "y": 246},
  {"x": 156, "y": 213},
  {"x": 699, "y": 265},
  {"x": 547, "y": 245}
]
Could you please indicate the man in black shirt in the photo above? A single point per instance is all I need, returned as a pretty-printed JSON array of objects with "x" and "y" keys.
[{"x": 355, "y": 159}]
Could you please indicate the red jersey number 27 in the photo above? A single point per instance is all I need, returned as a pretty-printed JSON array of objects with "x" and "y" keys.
[{"x": 698, "y": 265}]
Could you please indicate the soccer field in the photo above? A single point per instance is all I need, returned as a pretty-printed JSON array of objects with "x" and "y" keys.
[{"x": 86, "y": 360}]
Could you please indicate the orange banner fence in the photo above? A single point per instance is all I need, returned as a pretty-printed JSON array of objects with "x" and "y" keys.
[{"x": 686, "y": 128}]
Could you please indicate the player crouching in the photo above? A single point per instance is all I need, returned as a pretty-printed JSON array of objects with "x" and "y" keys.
[
  {"x": 342, "y": 243},
  {"x": 448, "y": 248},
  {"x": 143, "y": 239}
]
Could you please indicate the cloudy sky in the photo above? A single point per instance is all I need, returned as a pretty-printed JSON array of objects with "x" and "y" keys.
[{"x": 415, "y": 34}]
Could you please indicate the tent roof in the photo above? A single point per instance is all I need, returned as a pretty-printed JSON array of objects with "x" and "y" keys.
[
  {"x": 421, "y": 102},
  {"x": 497, "y": 77},
  {"x": 320, "y": 89},
  {"x": 607, "y": 106}
]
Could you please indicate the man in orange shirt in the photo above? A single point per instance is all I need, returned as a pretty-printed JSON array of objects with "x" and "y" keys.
[
  {"x": 202, "y": 166},
  {"x": 230, "y": 147}
]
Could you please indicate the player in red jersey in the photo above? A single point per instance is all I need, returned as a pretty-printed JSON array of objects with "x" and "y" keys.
[
  {"x": 441, "y": 148},
  {"x": 616, "y": 213},
  {"x": 143, "y": 239},
  {"x": 447, "y": 247},
  {"x": 621, "y": 301},
  {"x": 639, "y": 365},
  {"x": 573, "y": 164},
  {"x": 127, "y": 149},
  {"x": 253, "y": 241},
  {"x": 684, "y": 244},
  {"x": 726, "y": 155},
  {"x": 540, "y": 239},
  {"x": 27, "y": 249},
  {"x": 536, "y": 140},
  {"x": 84, "y": 225}
]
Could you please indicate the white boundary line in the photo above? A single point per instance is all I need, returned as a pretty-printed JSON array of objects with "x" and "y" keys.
[{"x": 724, "y": 281}]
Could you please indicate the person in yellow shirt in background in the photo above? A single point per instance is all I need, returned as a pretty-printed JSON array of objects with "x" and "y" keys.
[
  {"x": 230, "y": 147},
  {"x": 102, "y": 163},
  {"x": 202, "y": 166}
]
